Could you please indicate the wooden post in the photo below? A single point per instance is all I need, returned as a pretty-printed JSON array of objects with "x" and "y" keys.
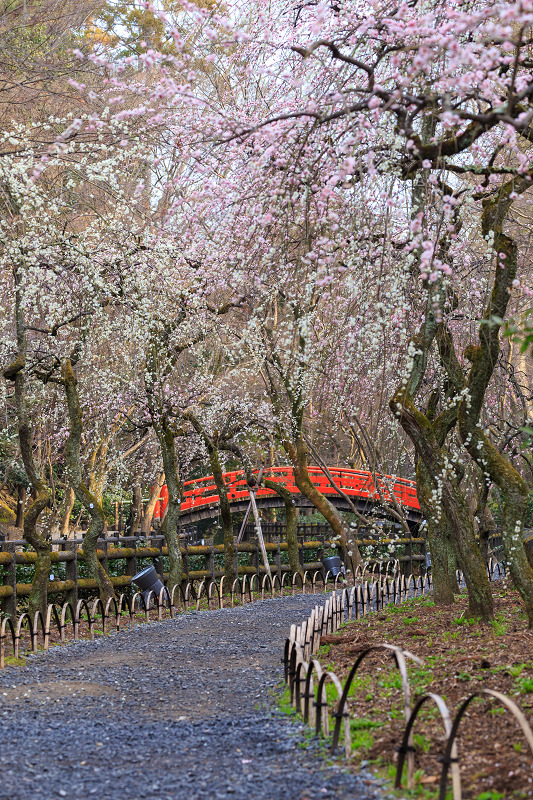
[
  {"x": 183, "y": 544},
  {"x": 104, "y": 561},
  {"x": 260, "y": 534},
  {"x": 159, "y": 565},
  {"x": 277, "y": 542},
  {"x": 21, "y": 497},
  {"x": 131, "y": 561},
  {"x": 235, "y": 557},
  {"x": 254, "y": 555},
  {"x": 210, "y": 559},
  {"x": 71, "y": 571}
]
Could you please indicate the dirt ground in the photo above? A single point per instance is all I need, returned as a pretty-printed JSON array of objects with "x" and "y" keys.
[{"x": 460, "y": 658}]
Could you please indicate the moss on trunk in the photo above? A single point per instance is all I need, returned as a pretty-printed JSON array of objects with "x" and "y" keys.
[
  {"x": 298, "y": 455},
  {"x": 439, "y": 540},
  {"x": 89, "y": 500},
  {"x": 172, "y": 519},
  {"x": 292, "y": 514},
  {"x": 444, "y": 482},
  {"x": 225, "y": 513}
]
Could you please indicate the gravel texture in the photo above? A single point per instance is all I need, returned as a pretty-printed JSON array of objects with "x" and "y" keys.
[{"x": 178, "y": 709}]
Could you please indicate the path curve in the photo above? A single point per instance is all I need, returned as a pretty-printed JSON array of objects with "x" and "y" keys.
[{"x": 174, "y": 710}]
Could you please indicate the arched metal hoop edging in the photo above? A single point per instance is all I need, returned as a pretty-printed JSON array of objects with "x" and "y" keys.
[
  {"x": 6, "y": 623},
  {"x": 309, "y": 694},
  {"x": 201, "y": 589},
  {"x": 507, "y": 702},
  {"x": 137, "y": 604},
  {"x": 266, "y": 577},
  {"x": 399, "y": 657},
  {"x": 210, "y": 586},
  {"x": 296, "y": 655},
  {"x": 234, "y": 586},
  {"x": 24, "y": 618},
  {"x": 322, "y": 721},
  {"x": 255, "y": 579},
  {"x": 38, "y": 620},
  {"x": 244, "y": 586},
  {"x": 405, "y": 747},
  {"x": 220, "y": 591},
  {"x": 94, "y": 609},
  {"x": 80, "y": 605},
  {"x": 111, "y": 601},
  {"x": 126, "y": 601},
  {"x": 67, "y": 607},
  {"x": 297, "y": 576},
  {"x": 53, "y": 613},
  {"x": 298, "y": 680}
]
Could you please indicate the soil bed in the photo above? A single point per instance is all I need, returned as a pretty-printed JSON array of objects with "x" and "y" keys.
[{"x": 460, "y": 657}]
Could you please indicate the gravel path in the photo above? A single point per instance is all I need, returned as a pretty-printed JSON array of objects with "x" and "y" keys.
[{"x": 170, "y": 710}]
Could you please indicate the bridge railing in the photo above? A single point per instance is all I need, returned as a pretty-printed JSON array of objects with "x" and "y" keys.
[{"x": 363, "y": 484}]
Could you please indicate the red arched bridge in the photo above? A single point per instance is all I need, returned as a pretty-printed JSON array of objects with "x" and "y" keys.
[{"x": 200, "y": 500}]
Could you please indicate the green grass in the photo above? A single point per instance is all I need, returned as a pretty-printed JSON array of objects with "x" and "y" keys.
[
  {"x": 362, "y": 740},
  {"x": 364, "y": 723},
  {"x": 526, "y": 686},
  {"x": 10, "y": 661},
  {"x": 421, "y": 742},
  {"x": 499, "y": 625}
]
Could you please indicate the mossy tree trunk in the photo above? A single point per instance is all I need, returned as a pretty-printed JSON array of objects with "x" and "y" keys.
[
  {"x": 41, "y": 498},
  {"x": 298, "y": 454},
  {"x": 66, "y": 511},
  {"x": 136, "y": 506},
  {"x": 214, "y": 442},
  {"x": 439, "y": 540},
  {"x": 292, "y": 514},
  {"x": 150, "y": 506},
  {"x": 286, "y": 387},
  {"x": 225, "y": 516},
  {"x": 171, "y": 524},
  {"x": 160, "y": 362},
  {"x": 428, "y": 437},
  {"x": 87, "y": 498},
  {"x": 483, "y": 358},
  {"x": 438, "y": 465}
]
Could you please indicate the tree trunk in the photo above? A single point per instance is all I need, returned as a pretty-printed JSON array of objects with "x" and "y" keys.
[
  {"x": 68, "y": 505},
  {"x": 439, "y": 540},
  {"x": 225, "y": 516},
  {"x": 515, "y": 497},
  {"x": 136, "y": 507},
  {"x": 292, "y": 513},
  {"x": 298, "y": 455},
  {"x": 172, "y": 519},
  {"x": 41, "y": 496},
  {"x": 483, "y": 358},
  {"x": 84, "y": 496},
  {"x": 420, "y": 431},
  {"x": 150, "y": 506},
  {"x": 21, "y": 497}
]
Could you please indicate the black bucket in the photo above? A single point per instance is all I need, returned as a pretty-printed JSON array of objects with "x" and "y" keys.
[
  {"x": 148, "y": 580},
  {"x": 332, "y": 564}
]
